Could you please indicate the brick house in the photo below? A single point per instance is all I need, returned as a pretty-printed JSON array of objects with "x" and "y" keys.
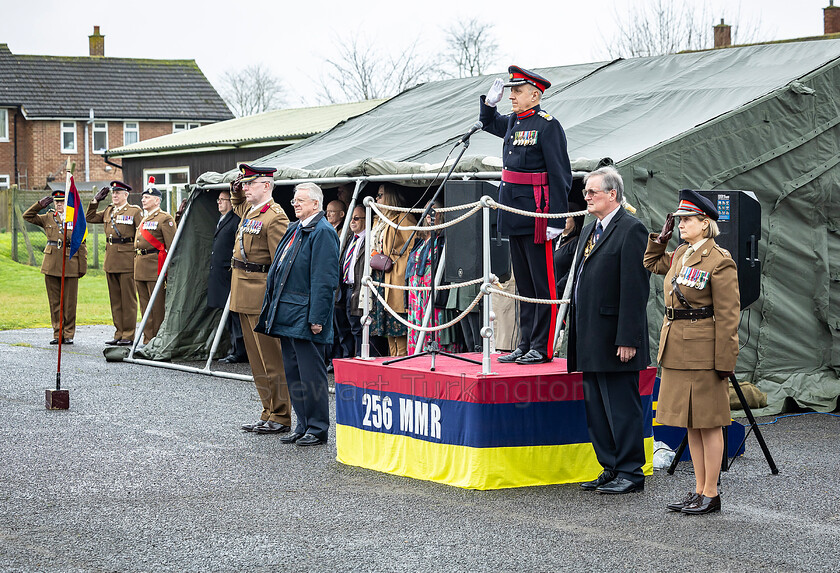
[{"x": 58, "y": 111}]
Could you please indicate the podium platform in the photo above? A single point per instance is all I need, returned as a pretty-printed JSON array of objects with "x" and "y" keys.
[{"x": 520, "y": 426}]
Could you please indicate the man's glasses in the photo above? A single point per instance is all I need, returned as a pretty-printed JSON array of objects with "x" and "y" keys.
[
  {"x": 591, "y": 192},
  {"x": 220, "y": 199}
]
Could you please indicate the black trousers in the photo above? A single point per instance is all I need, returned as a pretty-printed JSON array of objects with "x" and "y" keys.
[
  {"x": 342, "y": 336},
  {"x": 533, "y": 269},
  {"x": 355, "y": 322},
  {"x": 616, "y": 422},
  {"x": 237, "y": 343},
  {"x": 306, "y": 376}
]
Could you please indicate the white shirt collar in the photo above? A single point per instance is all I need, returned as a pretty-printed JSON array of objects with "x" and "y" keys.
[
  {"x": 258, "y": 207},
  {"x": 609, "y": 217}
]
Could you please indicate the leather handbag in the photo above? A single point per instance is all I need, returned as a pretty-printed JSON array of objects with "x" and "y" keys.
[{"x": 381, "y": 262}]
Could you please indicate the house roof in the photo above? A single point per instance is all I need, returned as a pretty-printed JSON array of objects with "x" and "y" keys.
[
  {"x": 264, "y": 129},
  {"x": 115, "y": 88}
]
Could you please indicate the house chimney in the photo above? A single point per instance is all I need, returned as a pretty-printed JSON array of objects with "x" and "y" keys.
[
  {"x": 831, "y": 16},
  {"x": 723, "y": 35},
  {"x": 97, "y": 43}
]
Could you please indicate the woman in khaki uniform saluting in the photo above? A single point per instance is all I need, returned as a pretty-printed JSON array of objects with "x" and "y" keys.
[{"x": 698, "y": 344}]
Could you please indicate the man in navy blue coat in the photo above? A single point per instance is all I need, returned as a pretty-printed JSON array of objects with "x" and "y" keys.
[
  {"x": 537, "y": 177},
  {"x": 298, "y": 308},
  {"x": 608, "y": 337}
]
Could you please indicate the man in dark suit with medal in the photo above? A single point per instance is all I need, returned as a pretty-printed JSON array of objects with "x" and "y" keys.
[
  {"x": 537, "y": 177},
  {"x": 218, "y": 281},
  {"x": 608, "y": 337}
]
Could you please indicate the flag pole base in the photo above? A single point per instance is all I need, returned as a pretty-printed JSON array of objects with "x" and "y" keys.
[{"x": 57, "y": 399}]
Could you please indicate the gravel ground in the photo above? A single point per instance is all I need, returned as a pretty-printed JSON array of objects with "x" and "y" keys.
[{"x": 148, "y": 471}]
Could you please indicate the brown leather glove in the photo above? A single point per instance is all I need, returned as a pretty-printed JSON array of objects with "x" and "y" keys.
[
  {"x": 667, "y": 230},
  {"x": 180, "y": 212},
  {"x": 45, "y": 201},
  {"x": 236, "y": 185},
  {"x": 724, "y": 375},
  {"x": 101, "y": 194}
]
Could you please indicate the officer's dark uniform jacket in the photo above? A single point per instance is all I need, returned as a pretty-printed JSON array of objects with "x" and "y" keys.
[{"x": 534, "y": 142}]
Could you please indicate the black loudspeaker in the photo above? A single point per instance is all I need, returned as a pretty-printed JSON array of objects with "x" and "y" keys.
[
  {"x": 464, "y": 250},
  {"x": 739, "y": 220}
]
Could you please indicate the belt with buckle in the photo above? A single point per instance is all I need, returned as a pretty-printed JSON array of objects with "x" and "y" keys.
[
  {"x": 119, "y": 240},
  {"x": 54, "y": 243},
  {"x": 689, "y": 313},
  {"x": 249, "y": 267},
  {"x": 146, "y": 251}
]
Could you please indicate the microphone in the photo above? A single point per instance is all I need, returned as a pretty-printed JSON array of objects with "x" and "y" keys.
[{"x": 476, "y": 127}]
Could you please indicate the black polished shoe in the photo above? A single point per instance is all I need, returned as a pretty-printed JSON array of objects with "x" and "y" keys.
[
  {"x": 68, "y": 341},
  {"x": 533, "y": 357},
  {"x": 125, "y": 342},
  {"x": 620, "y": 485},
  {"x": 689, "y": 498},
  {"x": 703, "y": 505},
  {"x": 507, "y": 358},
  {"x": 253, "y": 426},
  {"x": 291, "y": 438},
  {"x": 229, "y": 359},
  {"x": 605, "y": 477},
  {"x": 309, "y": 440},
  {"x": 113, "y": 342},
  {"x": 272, "y": 428},
  {"x": 54, "y": 341}
]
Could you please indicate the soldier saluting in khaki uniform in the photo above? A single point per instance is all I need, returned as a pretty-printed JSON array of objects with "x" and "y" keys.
[
  {"x": 262, "y": 228},
  {"x": 151, "y": 244},
  {"x": 53, "y": 223},
  {"x": 121, "y": 223}
]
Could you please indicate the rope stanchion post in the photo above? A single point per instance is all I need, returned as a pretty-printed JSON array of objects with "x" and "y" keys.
[
  {"x": 366, "y": 319},
  {"x": 487, "y": 329}
]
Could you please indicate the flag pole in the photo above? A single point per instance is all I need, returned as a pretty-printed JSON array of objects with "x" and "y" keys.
[{"x": 61, "y": 297}]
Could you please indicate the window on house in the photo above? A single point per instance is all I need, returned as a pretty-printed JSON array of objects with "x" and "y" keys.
[
  {"x": 68, "y": 137},
  {"x": 184, "y": 126},
  {"x": 172, "y": 184},
  {"x": 4, "y": 125},
  {"x": 4, "y": 181},
  {"x": 131, "y": 132},
  {"x": 100, "y": 136}
]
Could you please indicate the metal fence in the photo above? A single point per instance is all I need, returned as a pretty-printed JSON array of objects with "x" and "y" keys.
[{"x": 28, "y": 241}]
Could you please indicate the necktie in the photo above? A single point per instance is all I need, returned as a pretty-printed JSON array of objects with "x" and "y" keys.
[
  {"x": 289, "y": 244},
  {"x": 348, "y": 259},
  {"x": 688, "y": 252},
  {"x": 219, "y": 224},
  {"x": 597, "y": 234}
]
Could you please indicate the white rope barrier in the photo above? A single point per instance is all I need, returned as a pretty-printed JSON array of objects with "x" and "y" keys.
[
  {"x": 441, "y": 287},
  {"x": 413, "y": 326},
  {"x": 526, "y": 299},
  {"x": 438, "y": 209},
  {"x": 495, "y": 205},
  {"x": 375, "y": 208}
]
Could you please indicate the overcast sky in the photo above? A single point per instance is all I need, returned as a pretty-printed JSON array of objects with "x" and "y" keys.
[{"x": 294, "y": 38}]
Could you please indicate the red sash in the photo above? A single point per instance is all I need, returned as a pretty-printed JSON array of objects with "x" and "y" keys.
[
  {"x": 540, "y": 184},
  {"x": 161, "y": 248}
]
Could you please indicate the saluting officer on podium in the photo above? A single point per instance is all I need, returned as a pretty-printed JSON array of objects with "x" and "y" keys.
[
  {"x": 151, "y": 244},
  {"x": 121, "y": 223},
  {"x": 536, "y": 177},
  {"x": 53, "y": 223}
]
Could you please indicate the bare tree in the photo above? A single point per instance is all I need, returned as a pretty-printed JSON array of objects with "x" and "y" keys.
[
  {"x": 470, "y": 47},
  {"x": 252, "y": 90},
  {"x": 660, "y": 27},
  {"x": 360, "y": 71}
]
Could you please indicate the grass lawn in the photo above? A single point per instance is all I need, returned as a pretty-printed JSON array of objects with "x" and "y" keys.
[{"x": 23, "y": 295}]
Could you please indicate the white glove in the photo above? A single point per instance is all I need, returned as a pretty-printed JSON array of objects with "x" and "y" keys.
[
  {"x": 494, "y": 96},
  {"x": 552, "y": 233}
]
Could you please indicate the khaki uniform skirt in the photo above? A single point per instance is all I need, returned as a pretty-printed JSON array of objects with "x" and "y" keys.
[{"x": 692, "y": 399}]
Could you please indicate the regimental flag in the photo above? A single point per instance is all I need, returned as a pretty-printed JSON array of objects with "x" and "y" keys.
[{"x": 73, "y": 214}]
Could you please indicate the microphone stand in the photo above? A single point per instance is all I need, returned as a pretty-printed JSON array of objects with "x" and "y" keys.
[{"x": 433, "y": 347}]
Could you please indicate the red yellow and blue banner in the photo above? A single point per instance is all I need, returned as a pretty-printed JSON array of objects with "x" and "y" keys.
[
  {"x": 75, "y": 215},
  {"x": 520, "y": 427}
]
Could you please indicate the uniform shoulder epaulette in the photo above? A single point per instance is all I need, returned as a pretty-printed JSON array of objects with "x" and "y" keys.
[
  {"x": 277, "y": 208},
  {"x": 545, "y": 115},
  {"x": 723, "y": 251}
]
